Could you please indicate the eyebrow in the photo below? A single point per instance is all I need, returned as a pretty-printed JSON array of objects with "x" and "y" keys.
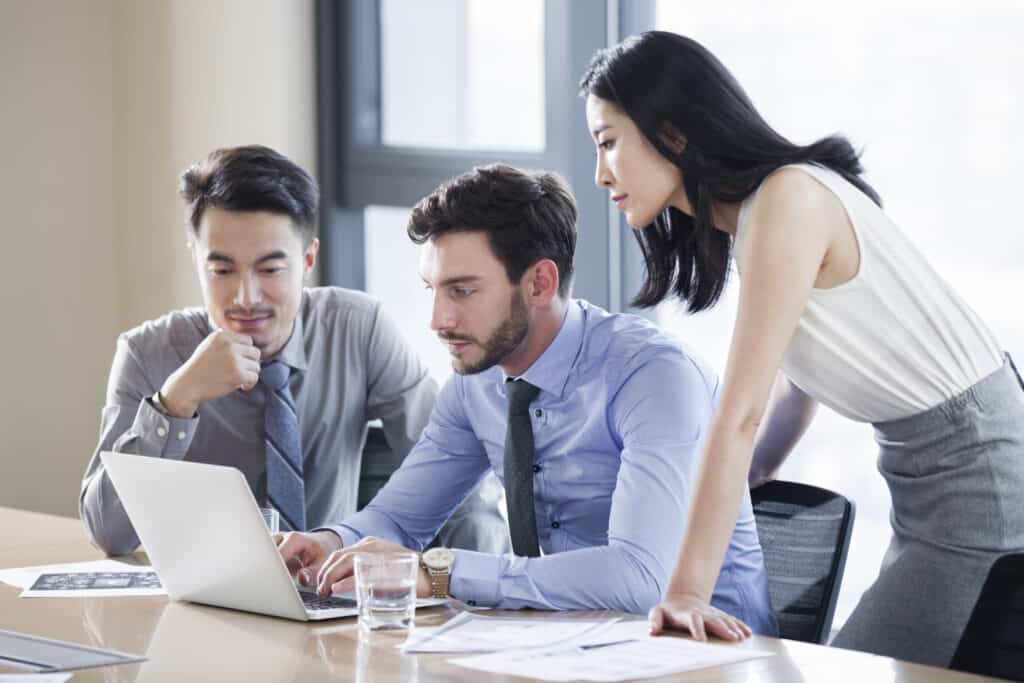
[
  {"x": 458, "y": 280},
  {"x": 224, "y": 258},
  {"x": 600, "y": 129}
]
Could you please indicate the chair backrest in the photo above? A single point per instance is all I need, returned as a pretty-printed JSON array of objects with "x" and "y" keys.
[
  {"x": 805, "y": 533},
  {"x": 378, "y": 464},
  {"x": 993, "y": 642}
]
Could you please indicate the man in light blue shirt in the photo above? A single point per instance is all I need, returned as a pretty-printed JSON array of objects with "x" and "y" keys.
[{"x": 617, "y": 423}]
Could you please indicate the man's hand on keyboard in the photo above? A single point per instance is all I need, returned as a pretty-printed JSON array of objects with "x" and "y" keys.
[
  {"x": 304, "y": 553},
  {"x": 337, "y": 572}
]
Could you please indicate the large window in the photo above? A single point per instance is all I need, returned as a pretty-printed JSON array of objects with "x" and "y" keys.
[
  {"x": 931, "y": 92},
  {"x": 463, "y": 74},
  {"x": 392, "y": 275}
]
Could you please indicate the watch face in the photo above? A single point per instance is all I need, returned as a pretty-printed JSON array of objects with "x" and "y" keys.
[{"x": 439, "y": 558}]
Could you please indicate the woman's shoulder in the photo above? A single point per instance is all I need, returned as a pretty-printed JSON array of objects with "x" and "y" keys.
[
  {"x": 793, "y": 194},
  {"x": 796, "y": 185}
]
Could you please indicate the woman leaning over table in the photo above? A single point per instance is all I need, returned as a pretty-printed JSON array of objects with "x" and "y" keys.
[{"x": 836, "y": 306}]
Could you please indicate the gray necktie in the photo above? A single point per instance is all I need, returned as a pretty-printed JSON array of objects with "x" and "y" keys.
[
  {"x": 522, "y": 520},
  {"x": 286, "y": 490}
]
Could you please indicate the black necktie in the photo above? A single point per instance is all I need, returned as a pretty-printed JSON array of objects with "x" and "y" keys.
[{"x": 522, "y": 520}]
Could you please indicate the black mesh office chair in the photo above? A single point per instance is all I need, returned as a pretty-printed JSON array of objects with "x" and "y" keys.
[
  {"x": 805, "y": 533},
  {"x": 993, "y": 642},
  {"x": 379, "y": 463}
]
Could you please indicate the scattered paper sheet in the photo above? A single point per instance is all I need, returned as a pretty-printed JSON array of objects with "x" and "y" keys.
[
  {"x": 34, "y": 678},
  {"x": 24, "y": 577},
  {"x": 94, "y": 585},
  {"x": 645, "y": 657},
  {"x": 469, "y": 632}
]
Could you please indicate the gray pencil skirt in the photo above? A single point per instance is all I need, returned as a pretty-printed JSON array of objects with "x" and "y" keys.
[{"x": 956, "y": 478}]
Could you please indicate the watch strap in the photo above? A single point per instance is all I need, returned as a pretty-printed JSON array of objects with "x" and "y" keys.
[{"x": 440, "y": 580}]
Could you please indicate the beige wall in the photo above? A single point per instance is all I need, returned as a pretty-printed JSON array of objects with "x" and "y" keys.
[
  {"x": 190, "y": 76},
  {"x": 103, "y": 104}
]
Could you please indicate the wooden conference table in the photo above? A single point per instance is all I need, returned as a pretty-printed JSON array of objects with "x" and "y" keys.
[{"x": 185, "y": 642}]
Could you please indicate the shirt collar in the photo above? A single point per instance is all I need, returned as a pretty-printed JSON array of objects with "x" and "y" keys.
[
  {"x": 550, "y": 372},
  {"x": 294, "y": 352}
]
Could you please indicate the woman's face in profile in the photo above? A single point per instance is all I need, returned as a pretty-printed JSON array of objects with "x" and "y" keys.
[{"x": 642, "y": 183}]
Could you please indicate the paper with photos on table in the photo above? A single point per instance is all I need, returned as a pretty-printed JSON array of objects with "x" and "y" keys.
[
  {"x": 95, "y": 585},
  {"x": 24, "y": 577}
]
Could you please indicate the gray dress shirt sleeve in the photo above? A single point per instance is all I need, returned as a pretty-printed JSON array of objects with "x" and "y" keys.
[{"x": 129, "y": 424}]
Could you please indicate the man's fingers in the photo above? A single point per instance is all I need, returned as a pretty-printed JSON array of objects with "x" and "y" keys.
[
  {"x": 249, "y": 351},
  {"x": 249, "y": 379},
  {"x": 337, "y": 567},
  {"x": 298, "y": 551},
  {"x": 306, "y": 577},
  {"x": 290, "y": 548},
  {"x": 235, "y": 337},
  {"x": 347, "y": 585}
]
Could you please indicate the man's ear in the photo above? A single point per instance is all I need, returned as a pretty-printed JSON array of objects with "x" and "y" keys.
[
  {"x": 672, "y": 138},
  {"x": 309, "y": 257},
  {"x": 542, "y": 282}
]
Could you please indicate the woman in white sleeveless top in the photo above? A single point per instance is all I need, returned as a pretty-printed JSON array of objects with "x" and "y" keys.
[{"x": 835, "y": 306}]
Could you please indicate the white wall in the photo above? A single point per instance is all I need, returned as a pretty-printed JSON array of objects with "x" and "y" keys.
[{"x": 102, "y": 104}]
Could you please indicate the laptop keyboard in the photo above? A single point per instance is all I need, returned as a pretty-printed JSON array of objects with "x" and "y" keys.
[{"x": 315, "y": 602}]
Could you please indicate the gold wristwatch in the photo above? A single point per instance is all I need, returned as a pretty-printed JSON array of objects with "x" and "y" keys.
[{"x": 438, "y": 563}]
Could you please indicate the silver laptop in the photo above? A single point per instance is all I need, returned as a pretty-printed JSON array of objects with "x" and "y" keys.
[{"x": 204, "y": 534}]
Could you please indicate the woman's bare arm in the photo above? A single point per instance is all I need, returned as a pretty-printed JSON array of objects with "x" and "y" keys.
[{"x": 789, "y": 237}]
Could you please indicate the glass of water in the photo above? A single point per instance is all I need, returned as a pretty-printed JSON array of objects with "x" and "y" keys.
[
  {"x": 272, "y": 518},
  {"x": 386, "y": 589}
]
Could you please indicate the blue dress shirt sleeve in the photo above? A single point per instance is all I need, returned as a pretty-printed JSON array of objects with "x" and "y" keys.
[{"x": 440, "y": 471}]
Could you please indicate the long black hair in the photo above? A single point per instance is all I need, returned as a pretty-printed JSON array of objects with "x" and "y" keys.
[{"x": 669, "y": 86}]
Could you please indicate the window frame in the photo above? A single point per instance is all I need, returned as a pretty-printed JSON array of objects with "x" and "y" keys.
[{"x": 357, "y": 170}]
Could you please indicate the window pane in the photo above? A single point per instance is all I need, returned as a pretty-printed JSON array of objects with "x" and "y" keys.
[
  {"x": 929, "y": 92},
  {"x": 392, "y": 275},
  {"x": 463, "y": 74}
]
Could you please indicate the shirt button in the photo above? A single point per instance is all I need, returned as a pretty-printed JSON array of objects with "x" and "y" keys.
[
  {"x": 536, "y": 468},
  {"x": 555, "y": 525},
  {"x": 181, "y": 436},
  {"x": 160, "y": 431},
  {"x": 538, "y": 412}
]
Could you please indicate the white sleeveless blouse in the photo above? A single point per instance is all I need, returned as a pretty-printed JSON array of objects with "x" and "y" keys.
[{"x": 895, "y": 340}]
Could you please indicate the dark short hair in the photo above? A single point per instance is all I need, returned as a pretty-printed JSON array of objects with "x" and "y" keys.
[
  {"x": 251, "y": 178},
  {"x": 527, "y": 216}
]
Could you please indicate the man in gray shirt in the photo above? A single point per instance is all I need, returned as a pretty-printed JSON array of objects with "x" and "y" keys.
[{"x": 197, "y": 384}]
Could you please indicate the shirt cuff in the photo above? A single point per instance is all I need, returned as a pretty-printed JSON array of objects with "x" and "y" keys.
[
  {"x": 476, "y": 576},
  {"x": 348, "y": 535},
  {"x": 168, "y": 436}
]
